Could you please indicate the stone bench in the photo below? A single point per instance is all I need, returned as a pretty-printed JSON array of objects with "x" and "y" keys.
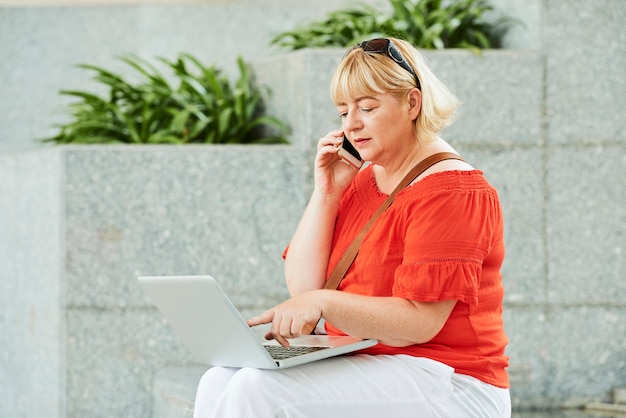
[{"x": 174, "y": 391}]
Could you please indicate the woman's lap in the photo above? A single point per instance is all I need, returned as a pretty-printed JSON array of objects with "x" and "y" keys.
[{"x": 349, "y": 386}]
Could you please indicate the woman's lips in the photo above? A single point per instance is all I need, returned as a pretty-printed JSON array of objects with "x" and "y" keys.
[{"x": 360, "y": 142}]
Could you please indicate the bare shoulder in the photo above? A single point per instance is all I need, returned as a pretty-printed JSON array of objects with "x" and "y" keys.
[
  {"x": 439, "y": 145},
  {"x": 446, "y": 165},
  {"x": 449, "y": 165}
]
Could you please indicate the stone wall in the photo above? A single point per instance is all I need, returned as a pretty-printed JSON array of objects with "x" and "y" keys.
[{"x": 543, "y": 119}]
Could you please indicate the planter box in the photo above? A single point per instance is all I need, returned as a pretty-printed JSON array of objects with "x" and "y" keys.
[{"x": 81, "y": 222}]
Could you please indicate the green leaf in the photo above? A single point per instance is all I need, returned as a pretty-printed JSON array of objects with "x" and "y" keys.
[
  {"x": 204, "y": 108},
  {"x": 425, "y": 23}
]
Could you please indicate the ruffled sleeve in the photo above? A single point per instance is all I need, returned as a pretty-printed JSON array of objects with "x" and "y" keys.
[
  {"x": 445, "y": 281},
  {"x": 450, "y": 231}
]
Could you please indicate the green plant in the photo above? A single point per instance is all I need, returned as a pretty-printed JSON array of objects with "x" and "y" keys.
[
  {"x": 428, "y": 24},
  {"x": 340, "y": 28},
  {"x": 203, "y": 107}
]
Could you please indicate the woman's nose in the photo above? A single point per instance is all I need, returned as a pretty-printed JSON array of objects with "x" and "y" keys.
[{"x": 351, "y": 122}]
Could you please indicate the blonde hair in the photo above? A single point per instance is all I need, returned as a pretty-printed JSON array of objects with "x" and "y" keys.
[{"x": 363, "y": 73}]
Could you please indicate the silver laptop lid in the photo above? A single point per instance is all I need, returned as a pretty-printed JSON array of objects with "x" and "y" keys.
[{"x": 206, "y": 321}]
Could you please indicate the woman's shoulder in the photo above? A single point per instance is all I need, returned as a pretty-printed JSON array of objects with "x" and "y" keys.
[
  {"x": 452, "y": 190},
  {"x": 455, "y": 200},
  {"x": 446, "y": 165},
  {"x": 450, "y": 180},
  {"x": 453, "y": 175},
  {"x": 449, "y": 164}
]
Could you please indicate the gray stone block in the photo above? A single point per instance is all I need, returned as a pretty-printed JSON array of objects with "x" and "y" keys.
[
  {"x": 586, "y": 88},
  {"x": 301, "y": 80},
  {"x": 586, "y": 217},
  {"x": 31, "y": 342},
  {"x": 39, "y": 49},
  {"x": 560, "y": 355},
  {"x": 529, "y": 355},
  {"x": 583, "y": 364},
  {"x": 517, "y": 176},
  {"x": 112, "y": 358},
  {"x": 221, "y": 210},
  {"x": 175, "y": 391},
  {"x": 501, "y": 92},
  {"x": 526, "y": 33}
]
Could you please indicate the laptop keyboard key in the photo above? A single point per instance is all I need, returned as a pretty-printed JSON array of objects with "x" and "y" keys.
[{"x": 278, "y": 352}]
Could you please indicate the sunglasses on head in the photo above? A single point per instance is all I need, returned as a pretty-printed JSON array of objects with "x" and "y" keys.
[{"x": 386, "y": 46}]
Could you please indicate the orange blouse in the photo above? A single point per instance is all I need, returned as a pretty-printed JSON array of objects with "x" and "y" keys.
[{"x": 441, "y": 239}]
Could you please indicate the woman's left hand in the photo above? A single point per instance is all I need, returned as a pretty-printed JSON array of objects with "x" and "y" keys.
[{"x": 290, "y": 317}]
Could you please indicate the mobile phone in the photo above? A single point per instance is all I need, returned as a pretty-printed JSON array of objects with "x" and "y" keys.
[{"x": 349, "y": 154}]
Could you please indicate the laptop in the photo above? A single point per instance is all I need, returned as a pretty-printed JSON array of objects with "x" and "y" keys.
[{"x": 216, "y": 334}]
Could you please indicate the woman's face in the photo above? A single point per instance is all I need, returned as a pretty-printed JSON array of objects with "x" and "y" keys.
[{"x": 381, "y": 127}]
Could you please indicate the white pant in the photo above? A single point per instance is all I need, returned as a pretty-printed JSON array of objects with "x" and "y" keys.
[{"x": 349, "y": 386}]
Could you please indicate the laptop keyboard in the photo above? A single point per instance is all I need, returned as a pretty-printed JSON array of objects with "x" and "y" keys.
[{"x": 278, "y": 352}]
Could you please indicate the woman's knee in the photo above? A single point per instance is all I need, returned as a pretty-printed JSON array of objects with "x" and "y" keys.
[
  {"x": 210, "y": 389},
  {"x": 246, "y": 395},
  {"x": 216, "y": 377},
  {"x": 248, "y": 381}
]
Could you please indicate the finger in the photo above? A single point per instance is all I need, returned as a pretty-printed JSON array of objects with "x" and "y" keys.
[
  {"x": 332, "y": 139},
  {"x": 283, "y": 341},
  {"x": 297, "y": 327},
  {"x": 336, "y": 134},
  {"x": 328, "y": 153},
  {"x": 274, "y": 331},
  {"x": 265, "y": 318},
  {"x": 285, "y": 328}
]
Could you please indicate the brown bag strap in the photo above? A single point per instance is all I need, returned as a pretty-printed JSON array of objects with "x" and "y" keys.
[{"x": 349, "y": 255}]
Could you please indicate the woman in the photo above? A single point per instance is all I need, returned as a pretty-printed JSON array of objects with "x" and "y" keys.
[{"x": 426, "y": 282}]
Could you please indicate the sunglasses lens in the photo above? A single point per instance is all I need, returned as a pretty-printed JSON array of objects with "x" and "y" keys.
[
  {"x": 375, "y": 45},
  {"x": 385, "y": 46}
]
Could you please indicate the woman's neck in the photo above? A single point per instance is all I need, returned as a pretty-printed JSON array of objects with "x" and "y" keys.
[{"x": 389, "y": 173}]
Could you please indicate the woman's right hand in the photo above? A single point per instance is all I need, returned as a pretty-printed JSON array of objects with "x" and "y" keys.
[
  {"x": 332, "y": 174},
  {"x": 306, "y": 263}
]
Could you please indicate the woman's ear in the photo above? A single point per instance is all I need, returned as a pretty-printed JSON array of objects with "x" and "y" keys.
[{"x": 415, "y": 103}]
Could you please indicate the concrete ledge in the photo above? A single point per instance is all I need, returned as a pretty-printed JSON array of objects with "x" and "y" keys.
[
  {"x": 175, "y": 391},
  {"x": 604, "y": 407}
]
